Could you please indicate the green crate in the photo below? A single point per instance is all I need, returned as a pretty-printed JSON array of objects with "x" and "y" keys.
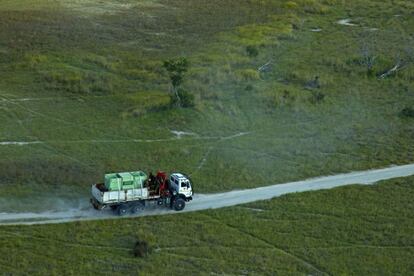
[
  {"x": 113, "y": 182},
  {"x": 139, "y": 179},
  {"x": 125, "y": 180}
]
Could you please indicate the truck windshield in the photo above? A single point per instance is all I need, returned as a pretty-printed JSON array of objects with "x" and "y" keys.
[{"x": 185, "y": 184}]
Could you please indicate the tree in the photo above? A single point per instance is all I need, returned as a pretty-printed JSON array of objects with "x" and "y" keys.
[{"x": 176, "y": 69}]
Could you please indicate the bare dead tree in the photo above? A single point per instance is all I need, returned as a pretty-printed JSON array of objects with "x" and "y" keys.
[
  {"x": 368, "y": 51},
  {"x": 409, "y": 49},
  {"x": 265, "y": 67}
]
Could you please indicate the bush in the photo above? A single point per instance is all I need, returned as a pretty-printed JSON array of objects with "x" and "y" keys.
[
  {"x": 252, "y": 51},
  {"x": 408, "y": 112},
  {"x": 291, "y": 5},
  {"x": 314, "y": 7},
  {"x": 317, "y": 97},
  {"x": 281, "y": 97},
  {"x": 141, "y": 249},
  {"x": 285, "y": 99},
  {"x": 248, "y": 74},
  {"x": 249, "y": 87}
]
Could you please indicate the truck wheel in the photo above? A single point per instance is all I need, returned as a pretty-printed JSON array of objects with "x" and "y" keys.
[
  {"x": 137, "y": 208},
  {"x": 122, "y": 210},
  {"x": 179, "y": 204},
  {"x": 172, "y": 202}
]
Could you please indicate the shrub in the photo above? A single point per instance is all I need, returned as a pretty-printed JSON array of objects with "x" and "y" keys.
[
  {"x": 141, "y": 249},
  {"x": 33, "y": 60},
  {"x": 248, "y": 74},
  {"x": 291, "y": 5},
  {"x": 408, "y": 112},
  {"x": 249, "y": 87},
  {"x": 256, "y": 34},
  {"x": 252, "y": 51},
  {"x": 313, "y": 6},
  {"x": 317, "y": 97},
  {"x": 282, "y": 98}
]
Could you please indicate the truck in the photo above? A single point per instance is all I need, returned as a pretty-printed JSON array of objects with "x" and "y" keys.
[{"x": 132, "y": 191}]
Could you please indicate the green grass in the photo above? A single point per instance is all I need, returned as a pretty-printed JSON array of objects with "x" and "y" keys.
[
  {"x": 363, "y": 230},
  {"x": 93, "y": 75},
  {"x": 85, "y": 78}
]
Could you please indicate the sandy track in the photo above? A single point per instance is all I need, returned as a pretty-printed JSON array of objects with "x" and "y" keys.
[
  {"x": 178, "y": 136},
  {"x": 219, "y": 200}
]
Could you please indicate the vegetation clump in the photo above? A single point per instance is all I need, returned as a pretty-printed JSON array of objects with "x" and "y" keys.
[
  {"x": 313, "y": 83},
  {"x": 408, "y": 112},
  {"x": 317, "y": 97},
  {"x": 291, "y": 5},
  {"x": 141, "y": 249},
  {"x": 248, "y": 75},
  {"x": 252, "y": 51},
  {"x": 176, "y": 69}
]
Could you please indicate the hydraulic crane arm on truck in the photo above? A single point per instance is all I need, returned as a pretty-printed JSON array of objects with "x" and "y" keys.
[{"x": 132, "y": 191}]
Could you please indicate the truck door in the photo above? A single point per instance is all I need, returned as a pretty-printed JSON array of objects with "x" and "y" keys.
[{"x": 174, "y": 184}]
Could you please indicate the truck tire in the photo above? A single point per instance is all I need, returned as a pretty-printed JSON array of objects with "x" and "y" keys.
[
  {"x": 179, "y": 204},
  {"x": 136, "y": 208},
  {"x": 122, "y": 210}
]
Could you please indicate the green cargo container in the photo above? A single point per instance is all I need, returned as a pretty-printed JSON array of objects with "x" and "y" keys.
[
  {"x": 113, "y": 182},
  {"x": 125, "y": 180},
  {"x": 139, "y": 179}
]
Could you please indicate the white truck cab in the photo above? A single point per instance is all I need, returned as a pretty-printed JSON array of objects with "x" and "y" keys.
[{"x": 181, "y": 185}]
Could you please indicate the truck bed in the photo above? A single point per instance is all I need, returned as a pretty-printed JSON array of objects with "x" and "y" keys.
[{"x": 104, "y": 196}]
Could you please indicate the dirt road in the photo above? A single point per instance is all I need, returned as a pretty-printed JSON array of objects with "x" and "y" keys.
[{"x": 219, "y": 200}]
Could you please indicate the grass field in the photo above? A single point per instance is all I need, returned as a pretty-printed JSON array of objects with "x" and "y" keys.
[
  {"x": 354, "y": 230},
  {"x": 82, "y": 82},
  {"x": 83, "y": 92}
]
